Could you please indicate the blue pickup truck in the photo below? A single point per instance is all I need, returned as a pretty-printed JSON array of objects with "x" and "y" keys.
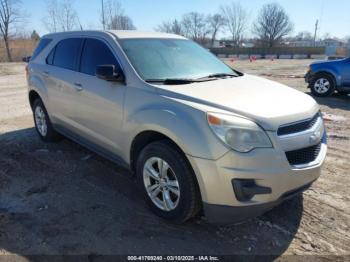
[{"x": 325, "y": 77}]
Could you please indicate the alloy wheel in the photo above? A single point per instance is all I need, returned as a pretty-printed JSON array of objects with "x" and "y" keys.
[
  {"x": 161, "y": 184},
  {"x": 40, "y": 120},
  {"x": 322, "y": 85}
]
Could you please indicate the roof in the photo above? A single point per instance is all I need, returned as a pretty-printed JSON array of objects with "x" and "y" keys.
[
  {"x": 120, "y": 34},
  {"x": 123, "y": 34}
]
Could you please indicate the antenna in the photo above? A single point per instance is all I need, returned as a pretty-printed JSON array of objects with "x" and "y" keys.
[{"x": 103, "y": 15}]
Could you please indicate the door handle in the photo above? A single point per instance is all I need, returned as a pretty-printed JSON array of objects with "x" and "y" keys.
[
  {"x": 78, "y": 87},
  {"x": 47, "y": 73}
]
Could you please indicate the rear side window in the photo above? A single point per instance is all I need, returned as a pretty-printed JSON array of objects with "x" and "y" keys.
[
  {"x": 66, "y": 53},
  {"x": 40, "y": 47},
  {"x": 49, "y": 59},
  {"x": 96, "y": 53}
]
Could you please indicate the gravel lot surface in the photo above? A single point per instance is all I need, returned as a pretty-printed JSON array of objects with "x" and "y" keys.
[{"x": 63, "y": 199}]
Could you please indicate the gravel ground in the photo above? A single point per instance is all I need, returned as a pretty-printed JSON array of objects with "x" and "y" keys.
[{"x": 63, "y": 199}]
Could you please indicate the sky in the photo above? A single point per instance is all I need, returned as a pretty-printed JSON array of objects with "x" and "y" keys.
[{"x": 147, "y": 14}]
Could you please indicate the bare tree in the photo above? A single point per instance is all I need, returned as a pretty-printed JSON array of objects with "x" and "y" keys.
[
  {"x": 305, "y": 35},
  {"x": 272, "y": 24},
  {"x": 61, "y": 16},
  {"x": 121, "y": 22},
  {"x": 10, "y": 15},
  {"x": 236, "y": 21},
  {"x": 173, "y": 27},
  {"x": 327, "y": 35},
  {"x": 195, "y": 27},
  {"x": 114, "y": 18},
  {"x": 69, "y": 17},
  {"x": 215, "y": 23},
  {"x": 51, "y": 20}
]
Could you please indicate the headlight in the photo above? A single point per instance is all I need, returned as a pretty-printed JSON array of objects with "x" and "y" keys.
[{"x": 238, "y": 133}]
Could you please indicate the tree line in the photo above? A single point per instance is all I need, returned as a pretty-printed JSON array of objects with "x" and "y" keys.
[
  {"x": 270, "y": 27},
  {"x": 272, "y": 24},
  {"x": 60, "y": 16}
]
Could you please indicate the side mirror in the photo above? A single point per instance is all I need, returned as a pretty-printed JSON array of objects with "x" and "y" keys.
[
  {"x": 108, "y": 73},
  {"x": 26, "y": 59}
]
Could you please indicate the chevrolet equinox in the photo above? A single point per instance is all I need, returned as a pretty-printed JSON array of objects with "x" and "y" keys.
[{"x": 197, "y": 134}]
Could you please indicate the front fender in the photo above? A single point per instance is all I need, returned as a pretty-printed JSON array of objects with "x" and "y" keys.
[{"x": 186, "y": 126}]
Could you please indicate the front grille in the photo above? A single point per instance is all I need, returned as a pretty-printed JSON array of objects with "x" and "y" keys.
[
  {"x": 304, "y": 155},
  {"x": 297, "y": 127}
]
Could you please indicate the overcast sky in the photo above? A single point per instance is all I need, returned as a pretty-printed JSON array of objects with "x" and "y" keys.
[{"x": 334, "y": 15}]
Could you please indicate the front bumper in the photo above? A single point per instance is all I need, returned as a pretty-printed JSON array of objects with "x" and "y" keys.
[
  {"x": 309, "y": 77},
  {"x": 219, "y": 214},
  {"x": 268, "y": 168}
]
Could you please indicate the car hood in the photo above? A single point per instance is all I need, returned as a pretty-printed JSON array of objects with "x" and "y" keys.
[
  {"x": 268, "y": 103},
  {"x": 336, "y": 61}
]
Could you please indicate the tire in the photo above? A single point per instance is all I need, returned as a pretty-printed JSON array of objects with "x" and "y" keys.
[
  {"x": 322, "y": 85},
  {"x": 43, "y": 124},
  {"x": 182, "y": 206}
]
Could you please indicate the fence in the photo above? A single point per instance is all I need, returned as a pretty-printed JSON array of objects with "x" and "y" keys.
[{"x": 278, "y": 52}]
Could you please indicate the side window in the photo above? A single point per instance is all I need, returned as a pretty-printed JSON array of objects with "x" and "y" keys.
[
  {"x": 96, "y": 53},
  {"x": 40, "y": 47},
  {"x": 67, "y": 52},
  {"x": 49, "y": 59}
]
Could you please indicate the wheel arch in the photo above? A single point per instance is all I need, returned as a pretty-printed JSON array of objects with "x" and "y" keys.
[
  {"x": 33, "y": 95},
  {"x": 146, "y": 137}
]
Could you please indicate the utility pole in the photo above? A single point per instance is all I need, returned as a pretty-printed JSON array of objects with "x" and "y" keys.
[
  {"x": 315, "y": 35},
  {"x": 103, "y": 15}
]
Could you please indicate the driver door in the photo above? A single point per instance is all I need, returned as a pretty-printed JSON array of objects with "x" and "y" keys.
[{"x": 99, "y": 109}]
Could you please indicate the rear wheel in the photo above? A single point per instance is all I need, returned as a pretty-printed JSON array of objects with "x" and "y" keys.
[
  {"x": 323, "y": 85},
  {"x": 43, "y": 124},
  {"x": 168, "y": 182}
]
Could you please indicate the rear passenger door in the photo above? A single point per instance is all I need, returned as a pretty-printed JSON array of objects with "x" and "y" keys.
[
  {"x": 100, "y": 110},
  {"x": 60, "y": 77}
]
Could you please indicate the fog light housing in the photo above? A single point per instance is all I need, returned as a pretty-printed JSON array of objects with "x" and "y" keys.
[{"x": 246, "y": 189}]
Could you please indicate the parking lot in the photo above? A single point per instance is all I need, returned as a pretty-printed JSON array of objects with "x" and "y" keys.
[{"x": 63, "y": 199}]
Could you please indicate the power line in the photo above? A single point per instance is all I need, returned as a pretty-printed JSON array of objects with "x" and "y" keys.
[{"x": 315, "y": 35}]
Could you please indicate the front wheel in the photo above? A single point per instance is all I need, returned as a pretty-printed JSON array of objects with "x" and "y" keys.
[
  {"x": 322, "y": 85},
  {"x": 168, "y": 182}
]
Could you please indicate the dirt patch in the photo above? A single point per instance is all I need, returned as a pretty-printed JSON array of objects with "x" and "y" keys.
[{"x": 63, "y": 199}]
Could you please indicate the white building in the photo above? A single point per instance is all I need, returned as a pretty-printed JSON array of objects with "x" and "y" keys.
[{"x": 329, "y": 42}]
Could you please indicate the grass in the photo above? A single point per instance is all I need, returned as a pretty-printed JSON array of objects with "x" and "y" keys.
[{"x": 19, "y": 49}]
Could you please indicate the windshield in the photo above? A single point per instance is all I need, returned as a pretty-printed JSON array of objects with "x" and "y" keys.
[{"x": 160, "y": 59}]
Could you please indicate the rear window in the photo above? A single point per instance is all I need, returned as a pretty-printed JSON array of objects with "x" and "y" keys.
[
  {"x": 40, "y": 47},
  {"x": 66, "y": 53}
]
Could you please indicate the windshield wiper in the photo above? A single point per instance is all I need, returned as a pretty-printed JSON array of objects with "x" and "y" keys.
[
  {"x": 218, "y": 75},
  {"x": 176, "y": 81}
]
